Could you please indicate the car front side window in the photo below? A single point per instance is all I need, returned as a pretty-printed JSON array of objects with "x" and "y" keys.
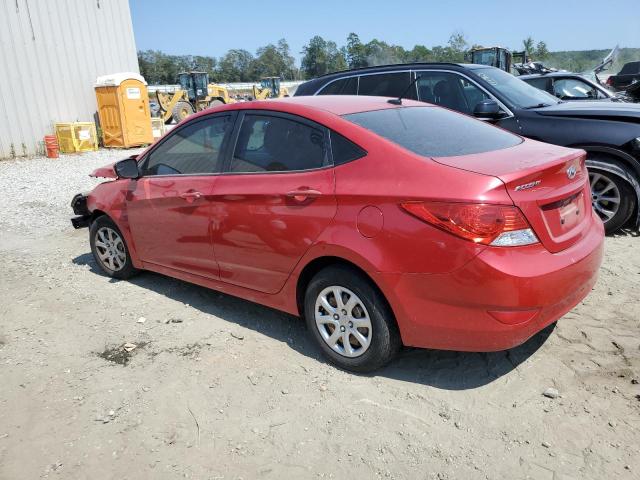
[
  {"x": 269, "y": 143},
  {"x": 573, "y": 89},
  {"x": 192, "y": 149}
]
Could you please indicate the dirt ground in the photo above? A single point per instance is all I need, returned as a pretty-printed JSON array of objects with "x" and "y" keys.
[{"x": 220, "y": 388}]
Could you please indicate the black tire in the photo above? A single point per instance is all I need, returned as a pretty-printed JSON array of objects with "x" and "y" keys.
[
  {"x": 181, "y": 110},
  {"x": 384, "y": 335},
  {"x": 627, "y": 197},
  {"x": 118, "y": 268},
  {"x": 216, "y": 102}
]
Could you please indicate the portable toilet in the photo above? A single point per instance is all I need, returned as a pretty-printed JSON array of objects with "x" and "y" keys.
[{"x": 123, "y": 109}]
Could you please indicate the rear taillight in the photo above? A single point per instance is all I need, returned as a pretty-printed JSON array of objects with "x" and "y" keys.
[
  {"x": 609, "y": 81},
  {"x": 498, "y": 225}
]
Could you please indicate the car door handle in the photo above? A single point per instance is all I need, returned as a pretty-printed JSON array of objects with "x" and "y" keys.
[
  {"x": 190, "y": 196},
  {"x": 302, "y": 194}
]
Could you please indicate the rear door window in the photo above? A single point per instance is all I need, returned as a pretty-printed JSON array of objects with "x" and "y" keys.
[
  {"x": 385, "y": 84},
  {"x": 542, "y": 83},
  {"x": 434, "y": 132},
  {"x": 269, "y": 143},
  {"x": 344, "y": 86},
  {"x": 343, "y": 150}
]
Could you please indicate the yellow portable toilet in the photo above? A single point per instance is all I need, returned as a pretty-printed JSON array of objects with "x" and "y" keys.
[{"x": 123, "y": 108}]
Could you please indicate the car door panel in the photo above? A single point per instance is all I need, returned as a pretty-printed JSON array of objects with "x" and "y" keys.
[
  {"x": 170, "y": 222},
  {"x": 262, "y": 227},
  {"x": 264, "y": 220},
  {"x": 169, "y": 207}
]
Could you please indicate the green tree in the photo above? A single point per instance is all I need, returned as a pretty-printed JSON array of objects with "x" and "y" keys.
[
  {"x": 419, "y": 53},
  {"x": 321, "y": 57},
  {"x": 235, "y": 66},
  {"x": 355, "y": 52},
  {"x": 541, "y": 51},
  {"x": 528, "y": 45}
]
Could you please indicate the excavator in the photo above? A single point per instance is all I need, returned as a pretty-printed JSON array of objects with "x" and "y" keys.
[
  {"x": 269, "y": 88},
  {"x": 195, "y": 94}
]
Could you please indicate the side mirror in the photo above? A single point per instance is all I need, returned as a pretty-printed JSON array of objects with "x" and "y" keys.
[
  {"x": 487, "y": 110},
  {"x": 127, "y": 168}
]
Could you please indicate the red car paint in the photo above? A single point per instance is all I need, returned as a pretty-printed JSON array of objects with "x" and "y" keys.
[{"x": 249, "y": 236}]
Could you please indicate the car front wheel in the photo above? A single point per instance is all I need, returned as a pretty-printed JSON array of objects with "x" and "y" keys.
[
  {"x": 110, "y": 249},
  {"x": 350, "y": 320}
]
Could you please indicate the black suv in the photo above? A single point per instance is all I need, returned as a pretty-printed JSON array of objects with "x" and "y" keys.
[{"x": 608, "y": 131}]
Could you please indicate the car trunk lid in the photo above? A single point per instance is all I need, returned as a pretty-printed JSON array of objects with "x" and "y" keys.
[{"x": 549, "y": 184}]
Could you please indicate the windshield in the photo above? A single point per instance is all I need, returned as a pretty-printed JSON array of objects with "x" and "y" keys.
[
  {"x": 434, "y": 132},
  {"x": 515, "y": 90}
]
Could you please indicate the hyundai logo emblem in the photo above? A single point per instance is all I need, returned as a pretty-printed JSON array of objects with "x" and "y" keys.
[{"x": 571, "y": 172}]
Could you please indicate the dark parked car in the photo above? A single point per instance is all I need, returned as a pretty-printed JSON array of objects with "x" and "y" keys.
[
  {"x": 569, "y": 86},
  {"x": 608, "y": 131},
  {"x": 629, "y": 74}
]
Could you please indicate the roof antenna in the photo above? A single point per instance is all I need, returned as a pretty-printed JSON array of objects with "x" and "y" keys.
[{"x": 398, "y": 101}]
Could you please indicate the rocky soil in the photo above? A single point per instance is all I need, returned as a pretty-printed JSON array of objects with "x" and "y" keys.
[{"x": 156, "y": 378}]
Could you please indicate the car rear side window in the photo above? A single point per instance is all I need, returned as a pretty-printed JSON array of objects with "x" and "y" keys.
[
  {"x": 434, "y": 132},
  {"x": 276, "y": 144},
  {"x": 192, "y": 149},
  {"x": 385, "y": 84},
  {"x": 542, "y": 83},
  {"x": 344, "y": 86},
  {"x": 344, "y": 150}
]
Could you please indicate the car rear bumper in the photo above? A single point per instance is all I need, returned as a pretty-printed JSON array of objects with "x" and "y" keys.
[{"x": 498, "y": 300}]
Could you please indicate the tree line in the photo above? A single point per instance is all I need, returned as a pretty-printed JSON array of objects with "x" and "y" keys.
[{"x": 320, "y": 56}]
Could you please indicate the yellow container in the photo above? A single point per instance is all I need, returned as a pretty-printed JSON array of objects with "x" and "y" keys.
[
  {"x": 76, "y": 137},
  {"x": 123, "y": 109},
  {"x": 157, "y": 127}
]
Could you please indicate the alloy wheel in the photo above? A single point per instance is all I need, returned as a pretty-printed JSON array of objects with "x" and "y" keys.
[
  {"x": 343, "y": 321},
  {"x": 605, "y": 196},
  {"x": 110, "y": 249}
]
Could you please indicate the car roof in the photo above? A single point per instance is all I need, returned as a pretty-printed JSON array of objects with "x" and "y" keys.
[
  {"x": 312, "y": 85},
  {"x": 550, "y": 74},
  {"x": 333, "y": 104},
  {"x": 395, "y": 66}
]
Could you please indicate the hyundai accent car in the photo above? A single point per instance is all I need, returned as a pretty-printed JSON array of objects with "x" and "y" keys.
[
  {"x": 608, "y": 131},
  {"x": 381, "y": 223}
]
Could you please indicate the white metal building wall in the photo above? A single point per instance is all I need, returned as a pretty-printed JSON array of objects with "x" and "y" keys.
[{"x": 51, "y": 52}]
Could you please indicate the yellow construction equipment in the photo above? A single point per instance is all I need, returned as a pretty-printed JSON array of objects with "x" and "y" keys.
[
  {"x": 195, "y": 94},
  {"x": 269, "y": 88}
]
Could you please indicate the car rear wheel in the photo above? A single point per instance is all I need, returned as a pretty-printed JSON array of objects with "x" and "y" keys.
[
  {"x": 612, "y": 198},
  {"x": 110, "y": 249},
  {"x": 350, "y": 320}
]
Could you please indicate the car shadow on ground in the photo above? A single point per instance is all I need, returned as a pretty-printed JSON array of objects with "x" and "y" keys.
[
  {"x": 626, "y": 232},
  {"x": 440, "y": 369}
]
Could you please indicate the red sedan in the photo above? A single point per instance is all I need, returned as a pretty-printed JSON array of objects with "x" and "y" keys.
[{"x": 382, "y": 224}]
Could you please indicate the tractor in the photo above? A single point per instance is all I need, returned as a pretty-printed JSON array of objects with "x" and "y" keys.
[
  {"x": 498, "y": 57},
  {"x": 269, "y": 88},
  {"x": 195, "y": 94}
]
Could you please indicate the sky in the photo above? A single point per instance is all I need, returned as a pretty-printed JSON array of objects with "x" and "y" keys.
[{"x": 211, "y": 28}]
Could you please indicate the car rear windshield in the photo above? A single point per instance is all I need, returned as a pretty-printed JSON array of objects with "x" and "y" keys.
[{"x": 433, "y": 131}]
